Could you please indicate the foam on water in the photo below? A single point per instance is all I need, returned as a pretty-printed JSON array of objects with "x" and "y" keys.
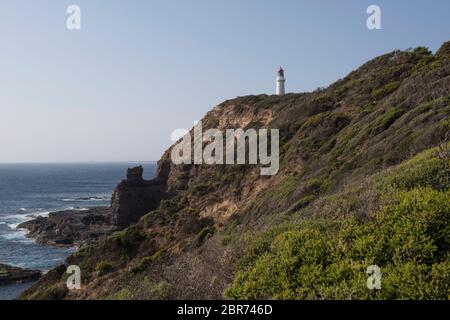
[
  {"x": 16, "y": 235},
  {"x": 13, "y": 226},
  {"x": 94, "y": 198},
  {"x": 35, "y": 190}
]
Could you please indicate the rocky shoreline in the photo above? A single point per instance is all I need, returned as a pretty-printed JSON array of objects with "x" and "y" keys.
[
  {"x": 132, "y": 198},
  {"x": 13, "y": 275},
  {"x": 71, "y": 228}
]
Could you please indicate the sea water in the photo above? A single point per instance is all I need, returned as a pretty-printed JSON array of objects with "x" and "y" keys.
[{"x": 31, "y": 190}]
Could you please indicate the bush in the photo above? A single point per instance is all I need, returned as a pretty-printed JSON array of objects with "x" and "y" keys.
[
  {"x": 387, "y": 89},
  {"x": 408, "y": 237},
  {"x": 103, "y": 268},
  {"x": 203, "y": 235},
  {"x": 386, "y": 120},
  {"x": 146, "y": 262},
  {"x": 53, "y": 293},
  {"x": 433, "y": 173},
  {"x": 144, "y": 289},
  {"x": 128, "y": 239}
]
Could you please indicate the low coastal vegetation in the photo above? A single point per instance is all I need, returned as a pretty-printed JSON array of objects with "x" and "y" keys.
[
  {"x": 363, "y": 180},
  {"x": 326, "y": 257}
]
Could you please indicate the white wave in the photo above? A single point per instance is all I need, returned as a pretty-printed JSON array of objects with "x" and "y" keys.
[
  {"x": 35, "y": 215},
  {"x": 26, "y": 241},
  {"x": 17, "y": 235},
  {"x": 75, "y": 209},
  {"x": 13, "y": 221},
  {"x": 16, "y": 218},
  {"x": 86, "y": 199},
  {"x": 13, "y": 226}
]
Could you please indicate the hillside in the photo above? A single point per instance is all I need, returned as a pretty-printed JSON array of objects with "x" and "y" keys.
[{"x": 364, "y": 179}]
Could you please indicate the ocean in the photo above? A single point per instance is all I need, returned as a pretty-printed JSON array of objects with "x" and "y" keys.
[{"x": 31, "y": 190}]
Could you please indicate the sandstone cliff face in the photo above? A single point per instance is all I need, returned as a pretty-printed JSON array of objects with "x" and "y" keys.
[{"x": 201, "y": 218}]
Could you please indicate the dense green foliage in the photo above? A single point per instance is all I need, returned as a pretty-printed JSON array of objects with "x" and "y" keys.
[
  {"x": 103, "y": 268},
  {"x": 408, "y": 237}
]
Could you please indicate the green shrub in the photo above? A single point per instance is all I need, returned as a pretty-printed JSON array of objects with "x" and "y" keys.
[
  {"x": 190, "y": 210},
  {"x": 409, "y": 238},
  {"x": 53, "y": 293},
  {"x": 103, "y": 268},
  {"x": 433, "y": 173},
  {"x": 300, "y": 204},
  {"x": 385, "y": 90},
  {"x": 143, "y": 288},
  {"x": 128, "y": 239},
  {"x": 204, "y": 233},
  {"x": 369, "y": 107},
  {"x": 226, "y": 239},
  {"x": 422, "y": 51},
  {"x": 385, "y": 121},
  {"x": 123, "y": 294},
  {"x": 146, "y": 262}
]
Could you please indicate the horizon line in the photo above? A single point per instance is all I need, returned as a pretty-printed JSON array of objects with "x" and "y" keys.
[{"x": 78, "y": 162}]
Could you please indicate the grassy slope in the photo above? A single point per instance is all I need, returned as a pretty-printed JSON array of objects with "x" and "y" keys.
[
  {"x": 325, "y": 249},
  {"x": 338, "y": 203}
]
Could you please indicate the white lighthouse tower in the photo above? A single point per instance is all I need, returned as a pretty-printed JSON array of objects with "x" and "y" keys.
[{"x": 280, "y": 83}]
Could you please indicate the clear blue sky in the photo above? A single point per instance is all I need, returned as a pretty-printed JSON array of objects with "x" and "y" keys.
[{"x": 137, "y": 70}]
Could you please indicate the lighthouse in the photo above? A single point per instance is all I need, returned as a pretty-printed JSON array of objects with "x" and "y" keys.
[{"x": 280, "y": 83}]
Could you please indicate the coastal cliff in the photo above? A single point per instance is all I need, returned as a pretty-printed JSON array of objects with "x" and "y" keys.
[{"x": 363, "y": 162}]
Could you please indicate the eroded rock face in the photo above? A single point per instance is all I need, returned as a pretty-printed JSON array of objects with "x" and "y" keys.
[
  {"x": 135, "y": 174},
  {"x": 134, "y": 197}
]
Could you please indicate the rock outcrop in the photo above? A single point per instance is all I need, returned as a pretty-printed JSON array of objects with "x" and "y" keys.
[
  {"x": 132, "y": 198},
  {"x": 70, "y": 228},
  {"x": 11, "y": 275},
  {"x": 135, "y": 197}
]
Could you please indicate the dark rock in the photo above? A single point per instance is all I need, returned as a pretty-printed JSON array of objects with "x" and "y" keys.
[
  {"x": 134, "y": 197},
  {"x": 11, "y": 275},
  {"x": 135, "y": 174},
  {"x": 70, "y": 228}
]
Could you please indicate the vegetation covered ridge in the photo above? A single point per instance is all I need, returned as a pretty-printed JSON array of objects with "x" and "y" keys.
[{"x": 363, "y": 179}]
